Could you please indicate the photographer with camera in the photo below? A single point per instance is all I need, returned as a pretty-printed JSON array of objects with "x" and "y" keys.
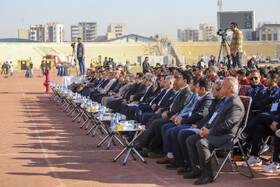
[
  {"x": 81, "y": 56},
  {"x": 236, "y": 46}
]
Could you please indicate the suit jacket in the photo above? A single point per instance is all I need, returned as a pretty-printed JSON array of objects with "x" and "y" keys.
[
  {"x": 146, "y": 67},
  {"x": 117, "y": 86},
  {"x": 205, "y": 120},
  {"x": 143, "y": 98},
  {"x": 104, "y": 83},
  {"x": 179, "y": 101},
  {"x": 157, "y": 97},
  {"x": 226, "y": 124},
  {"x": 200, "y": 110},
  {"x": 166, "y": 99}
]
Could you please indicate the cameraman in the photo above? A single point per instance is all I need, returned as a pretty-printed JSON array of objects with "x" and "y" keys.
[
  {"x": 236, "y": 46},
  {"x": 81, "y": 56}
]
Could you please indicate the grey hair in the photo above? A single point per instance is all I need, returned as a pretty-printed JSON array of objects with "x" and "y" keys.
[
  {"x": 170, "y": 79},
  {"x": 151, "y": 78},
  {"x": 219, "y": 83},
  {"x": 234, "y": 86},
  {"x": 214, "y": 68}
]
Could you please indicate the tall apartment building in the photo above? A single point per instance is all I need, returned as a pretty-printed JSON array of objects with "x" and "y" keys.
[
  {"x": 22, "y": 33},
  {"x": 189, "y": 35},
  {"x": 116, "y": 30},
  {"x": 208, "y": 31},
  {"x": 54, "y": 32},
  {"x": 86, "y": 30},
  {"x": 50, "y": 32}
]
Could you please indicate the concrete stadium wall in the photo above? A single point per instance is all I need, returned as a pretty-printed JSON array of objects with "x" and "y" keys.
[
  {"x": 192, "y": 50},
  {"x": 122, "y": 52}
]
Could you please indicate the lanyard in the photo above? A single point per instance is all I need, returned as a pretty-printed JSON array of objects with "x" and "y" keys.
[{"x": 224, "y": 102}]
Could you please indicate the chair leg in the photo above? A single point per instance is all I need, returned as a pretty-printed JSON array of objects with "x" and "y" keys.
[
  {"x": 246, "y": 160},
  {"x": 222, "y": 166}
]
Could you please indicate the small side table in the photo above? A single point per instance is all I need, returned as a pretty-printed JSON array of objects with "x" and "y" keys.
[{"x": 129, "y": 146}]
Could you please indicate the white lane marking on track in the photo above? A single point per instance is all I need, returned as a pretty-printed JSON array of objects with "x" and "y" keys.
[
  {"x": 153, "y": 174},
  {"x": 40, "y": 141}
]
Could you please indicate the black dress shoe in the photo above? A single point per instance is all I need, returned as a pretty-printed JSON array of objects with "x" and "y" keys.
[
  {"x": 144, "y": 153},
  {"x": 203, "y": 180},
  {"x": 183, "y": 170},
  {"x": 192, "y": 175},
  {"x": 173, "y": 166},
  {"x": 137, "y": 146}
]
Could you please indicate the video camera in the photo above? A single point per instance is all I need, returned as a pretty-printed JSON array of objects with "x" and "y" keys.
[
  {"x": 73, "y": 44},
  {"x": 222, "y": 33}
]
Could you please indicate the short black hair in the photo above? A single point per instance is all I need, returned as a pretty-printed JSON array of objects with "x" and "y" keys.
[
  {"x": 273, "y": 74},
  {"x": 140, "y": 75},
  {"x": 205, "y": 83},
  {"x": 241, "y": 72},
  {"x": 234, "y": 24},
  {"x": 264, "y": 72},
  {"x": 200, "y": 68},
  {"x": 187, "y": 76},
  {"x": 196, "y": 80}
]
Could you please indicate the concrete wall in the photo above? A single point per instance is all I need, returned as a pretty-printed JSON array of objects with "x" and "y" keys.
[
  {"x": 192, "y": 50},
  {"x": 122, "y": 52}
]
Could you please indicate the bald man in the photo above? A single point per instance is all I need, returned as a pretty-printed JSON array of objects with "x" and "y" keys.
[{"x": 221, "y": 129}]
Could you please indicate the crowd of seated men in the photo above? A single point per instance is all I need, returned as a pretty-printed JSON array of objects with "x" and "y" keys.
[{"x": 189, "y": 112}]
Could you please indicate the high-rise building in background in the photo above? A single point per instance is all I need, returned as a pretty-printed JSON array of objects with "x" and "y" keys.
[
  {"x": 86, "y": 30},
  {"x": 190, "y": 35},
  {"x": 50, "y": 32},
  {"x": 116, "y": 30},
  {"x": 54, "y": 32},
  {"x": 22, "y": 33},
  {"x": 208, "y": 31}
]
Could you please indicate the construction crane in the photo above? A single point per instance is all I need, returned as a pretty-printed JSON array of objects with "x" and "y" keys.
[{"x": 220, "y": 4}]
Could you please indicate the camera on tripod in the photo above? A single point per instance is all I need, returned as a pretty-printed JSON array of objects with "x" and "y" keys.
[
  {"x": 73, "y": 44},
  {"x": 222, "y": 33}
]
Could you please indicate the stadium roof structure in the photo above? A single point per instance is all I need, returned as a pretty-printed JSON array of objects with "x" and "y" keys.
[
  {"x": 132, "y": 36},
  {"x": 16, "y": 40}
]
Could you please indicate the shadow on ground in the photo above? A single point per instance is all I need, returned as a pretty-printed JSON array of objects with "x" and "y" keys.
[{"x": 60, "y": 144}]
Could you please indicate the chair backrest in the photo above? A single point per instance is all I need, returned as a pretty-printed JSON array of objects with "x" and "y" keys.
[
  {"x": 243, "y": 90},
  {"x": 247, "y": 101}
]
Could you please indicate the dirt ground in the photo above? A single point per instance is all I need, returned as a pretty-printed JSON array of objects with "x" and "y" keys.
[{"x": 40, "y": 146}]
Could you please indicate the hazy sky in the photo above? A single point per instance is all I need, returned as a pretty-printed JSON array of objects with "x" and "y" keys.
[{"x": 143, "y": 17}]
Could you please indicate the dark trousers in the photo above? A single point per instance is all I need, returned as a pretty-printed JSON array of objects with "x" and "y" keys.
[
  {"x": 276, "y": 154},
  {"x": 115, "y": 105},
  {"x": 199, "y": 151},
  {"x": 181, "y": 154},
  {"x": 151, "y": 138},
  {"x": 260, "y": 131}
]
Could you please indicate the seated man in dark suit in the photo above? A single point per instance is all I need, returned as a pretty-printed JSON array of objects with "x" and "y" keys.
[
  {"x": 138, "y": 87},
  {"x": 130, "y": 108},
  {"x": 152, "y": 138},
  {"x": 165, "y": 101},
  {"x": 200, "y": 111},
  {"x": 143, "y": 107},
  {"x": 223, "y": 127},
  {"x": 179, "y": 136}
]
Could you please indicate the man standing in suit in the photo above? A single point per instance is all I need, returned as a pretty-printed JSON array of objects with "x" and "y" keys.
[
  {"x": 146, "y": 65},
  {"x": 223, "y": 126}
]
